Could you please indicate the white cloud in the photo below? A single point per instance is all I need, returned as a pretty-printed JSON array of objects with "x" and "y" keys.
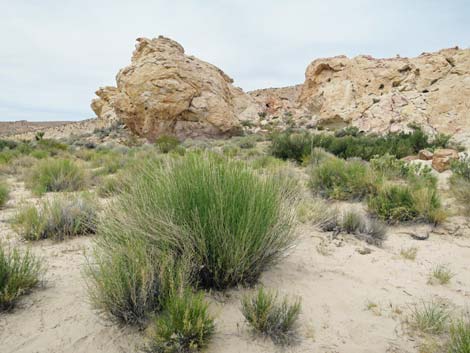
[{"x": 54, "y": 54}]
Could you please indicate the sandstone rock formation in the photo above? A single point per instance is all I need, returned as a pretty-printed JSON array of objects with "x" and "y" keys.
[
  {"x": 164, "y": 91},
  {"x": 442, "y": 159},
  {"x": 383, "y": 95}
]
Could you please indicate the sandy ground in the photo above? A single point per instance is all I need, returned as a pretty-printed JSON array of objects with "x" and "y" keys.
[{"x": 333, "y": 279}]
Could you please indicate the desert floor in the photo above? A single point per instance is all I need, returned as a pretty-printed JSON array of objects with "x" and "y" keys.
[{"x": 352, "y": 300}]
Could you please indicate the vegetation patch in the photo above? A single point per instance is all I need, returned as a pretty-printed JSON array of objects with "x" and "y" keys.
[
  {"x": 269, "y": 315},
  {"x": 184, "y": 326},
  {"x": 19, "y": 274},
  {"x": 52, "y": 175},
  {"x": 58, "y": 219}
]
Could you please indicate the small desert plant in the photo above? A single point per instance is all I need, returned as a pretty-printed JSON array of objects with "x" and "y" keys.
[
  {"x": 440, "y": 274},
  {"x": 314, "y": 211},
  {"x": 57, "y": 219},
  {"x": 19, "y": 273},
  {"x": 460, "y": 188},
  {"x": 352, "y": 222},
  {"x": 429, "y": 317},
  {"x": 343, "y": 180},
  {"x": 271, "y": 316},
  {"x": 4, "y": 193},
  {"x": 330, "y": 221},
  {"x": 373, "y": 232},
  {"x": 56, "y": 175},
  {"x": 409, "y": 253},
  {"x": 184, "y": 326},
  {"x": 461, "y": 167},
  {"x": 459, "y": 336},
  {"x": 398, "y": 203},
  {"x": 108, "y": 186},
  {"x": 166, "y": 143}
]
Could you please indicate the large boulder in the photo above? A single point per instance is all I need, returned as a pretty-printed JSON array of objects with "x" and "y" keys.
[
  {"x": 442, "y": 159},
  {"x": 385, "y": 95},
  {"x": 164, "y": 91}
]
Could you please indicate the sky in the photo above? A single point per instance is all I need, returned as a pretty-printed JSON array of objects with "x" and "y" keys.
[{"x": 55, "y": 54}]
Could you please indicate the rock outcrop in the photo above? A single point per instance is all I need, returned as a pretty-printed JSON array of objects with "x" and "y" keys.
[
  {"x": 442, "y": 159},
  {"x": 383, "y": 95},
  {"x": 164, "y": 91}
]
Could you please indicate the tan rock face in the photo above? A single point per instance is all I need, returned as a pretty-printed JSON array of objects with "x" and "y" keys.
[
  {"x": 442, "y": 159},
  {"x": 164, "y": 91},
  {"x": 383, "y": 95},
  {"x": 425, "y": 155}
]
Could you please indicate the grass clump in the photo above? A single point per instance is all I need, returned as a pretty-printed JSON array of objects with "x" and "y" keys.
[
  {"x": 352, "y": 222},
  {"x": 58, "y": 219},
  {"x": 459, "y": 341},
  {"x": 440, "y": 274},
  {"x": 109, "y": 186},
  {"x": 271, "y": 316},
  {"x": 52, "y": 175},
  {"x": 184, "y": 326},
  {"x": 4, "y": 193},
  {"x": 343, "y": 180},
  {"x": 167, "y": 143},
  {"x": 460, "y": 182},
  {"x": 401, "y": 203},
  {"x": 409, "y": 253},
  {"x": 430, "y": 317},
  {"x": 228, "y": 222},
  {"x": 19, "y": 273}
]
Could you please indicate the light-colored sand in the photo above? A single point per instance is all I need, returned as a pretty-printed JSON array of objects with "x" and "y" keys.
[{"x": 335, "y": 290}]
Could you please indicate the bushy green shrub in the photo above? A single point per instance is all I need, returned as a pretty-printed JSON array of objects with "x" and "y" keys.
[
  {"x": 56, "y": 175},
  {"x": 459, "y": 336},
  {"x": 19, "y": 273},
  {"x": 4, "y": 193},
  {"x": 58, "y": 219},
  {"x": 343, "y": 180},
  {"x": 184, "y": 326},
  {"x": 400, "y": 203},
  {"x": 297, "y": 145},
  {"x": 166, "y": 143},
  {"x": 270, "y": 316},
  {"x": 226, "y": 220}
]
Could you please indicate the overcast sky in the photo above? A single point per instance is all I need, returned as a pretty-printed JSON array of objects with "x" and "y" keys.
[{"x": 55, "y": 54}]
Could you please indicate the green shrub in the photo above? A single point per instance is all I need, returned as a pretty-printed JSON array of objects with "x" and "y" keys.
[
  {"x": 440, "y": 274},
  {"x": 229, "y": 223},
  {"x": 109, "y": 186},
  {"x": 352, "y": 222},
  {"x": 297, "y": 145},
  {"x": 166, "y": 143},
  {"x": 19, "y": 273},
  {"x": 184, "y": 326},
  {"x": 459, "y": 336},
  {"x": 398, "y": 203},
  {"x": 460, "y": 188},
  {"x": 343, "y": 180},
  {"x": 57, "y": 219},
  {"x": 461, "y": 167},
  {"x": 4, "y": 193},
  {"x": 269, "y": 316},
  {"x": 431, "y": 317},
  {"x": 56, "y": 175}
]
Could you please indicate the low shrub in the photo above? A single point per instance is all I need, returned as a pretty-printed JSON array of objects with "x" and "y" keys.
[
  {"x": 440, "y": 274},
  {"x": 343, "y": 180},
  {"x": 459, "y": 336},
  {"x": 460, "y": 188},
  {"x": 352, "y": 222},
  {"x": 166, "y": 143},
  {"x": 52, "y": 175},
  {"x": 297, "y": 145},
  {"x": 19, "y": 273},
  {"x": 184, "y": 326},
  {"x": 398, "y": 203},
  {"x": 109, "y": 186},
  {"x": 409, "y": 253},
  {"x": 4, "y": 193},
  {"x": 227, "y": 221},
  {"x": 270, "y": 316},
  {"x": 430, "y": 317},
  {"x": 58, "y": 219},
  {"x": 461, "y": 167}
]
